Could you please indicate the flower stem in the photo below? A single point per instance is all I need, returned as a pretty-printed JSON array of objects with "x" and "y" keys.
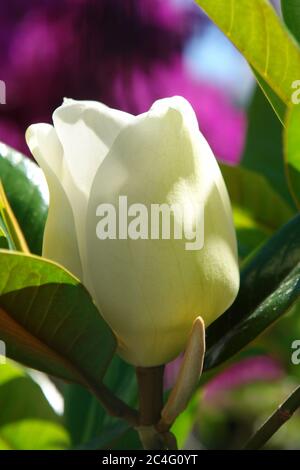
[
  {"x": 275, "y": 421},
  {"x": 150, "y": 385}
]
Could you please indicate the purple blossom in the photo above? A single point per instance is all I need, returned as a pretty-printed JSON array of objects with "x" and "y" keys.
[
  {"x": 223, "y": 125},
  {"x": 125, "y": 53},
  {"x": 252, "y": 369}
]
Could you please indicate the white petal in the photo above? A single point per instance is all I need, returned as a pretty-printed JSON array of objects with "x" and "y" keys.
[
  {"x": 60, "y": 243},
  {"x": 86, "y": 130},
  {"x": 150, "y": 291}
]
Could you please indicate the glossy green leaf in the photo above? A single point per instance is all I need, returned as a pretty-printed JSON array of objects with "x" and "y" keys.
[
  {"x": 49, "y": 322},
  {"x": 27, "y": 192},
  {"x": 277, "y": 104},
  {"x": 292, "y": 151},
  {"x": 270, "y": 286},
  {"x": 258, "y": 210},
  {"x": 257, "y": 31},
  {"x": 15, "y": 237},
  {"x": 6, "y": 239},
  {"x": 26, "y": 420},
  {"x": 291, "y": 14},
  {"x": 263, "y": 150}
]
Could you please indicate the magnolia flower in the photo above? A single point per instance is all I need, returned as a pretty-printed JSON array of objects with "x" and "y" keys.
[{"x": 148, "y": 290}]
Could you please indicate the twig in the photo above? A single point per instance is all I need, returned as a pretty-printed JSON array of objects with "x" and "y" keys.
[
  {"x": 275, "y": 421},
  {"x": 113, "y": 405}
]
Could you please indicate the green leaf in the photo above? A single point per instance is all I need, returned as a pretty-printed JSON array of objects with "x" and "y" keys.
[
  {"x": 27, "y": 192},
  {"x": 83, "y": 414},
  {"x": 33, "y": 435},
  {"x": 85, "y": 418},
  {"x": 49, "y": 322},
  {"x": 256, "y": 30},
  {"x": 4, "y": 240},
  {"x": 7, "y": 240},
  {"x": 27, "y": 421},
  {"x": 270, "y": 286},
  {"x": 292, "y": 151},
  {"x": 274, "y": 100},
  {"x": 23, "y": 398},
  {"x": 118, "y": 437},
  {"x": 291, "y": 15},
  {"x": 263, "y": 150},
  {"x": 15, "y": 237},
  {"x": 257, "y": 209}
]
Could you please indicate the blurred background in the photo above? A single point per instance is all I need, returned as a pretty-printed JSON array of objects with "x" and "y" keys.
[{"x": 127, "y": 54}]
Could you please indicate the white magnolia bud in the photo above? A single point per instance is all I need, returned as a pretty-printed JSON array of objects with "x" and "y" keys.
[{"x": 112, "y": 177}]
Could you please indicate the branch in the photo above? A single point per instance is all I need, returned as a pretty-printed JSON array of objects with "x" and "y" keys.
[
  {"x": 114, "y": 406},
  {"x": 275, "y": 421}
]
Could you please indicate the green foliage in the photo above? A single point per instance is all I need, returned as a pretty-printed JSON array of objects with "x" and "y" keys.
[
  {"x": 27, "y": 421},
  {"x": 10, "y": 227},
  {"x": 274, "y": 100},
  {"x": 86, "y": 418},
  {"x": 258, "y": 209},
  {"x": 291, "y": 14},
  {"x": 231, "y": 416},
  {"x": 49, "y": 322},
  {"x": 270, "y": 286},
  {"x": 26, "y": 189},
  {"x": 263, "y": 150},
  {"x": 256, "y": 30},
  {"x": 292, "y": 152}
]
